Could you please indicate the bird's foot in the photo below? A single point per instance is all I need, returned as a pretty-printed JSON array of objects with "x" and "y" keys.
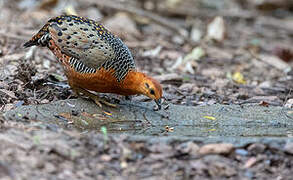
[{"x": 98, "y": 100}]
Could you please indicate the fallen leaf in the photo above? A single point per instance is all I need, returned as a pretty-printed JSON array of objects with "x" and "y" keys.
[
  {"x": 263, "y": 103},
  {"x": 283, "y": 53},
  {"x": 107, "y": 113},
  {"x": 85, "y": 114},
  {"x": 195, "y": 34},
  {"x": 238, "y": 78},
  {"x": 69, "y": 10},
  {"x": 194, "y": 55},
  {"x": 153, "y": 52},
  {"x": 210, "y": 117},
  {"x": 65, "y": 115},
  {"x": 188, "y": 62},
  {"x": 216, "y": 29}
]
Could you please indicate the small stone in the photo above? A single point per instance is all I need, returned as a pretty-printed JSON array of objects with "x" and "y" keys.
[
  {"x": 224, "y": 148},
  {"x": 105, "y": 158},
  {"x": 178, "y": 40},
  {"x": 289, "y": 147},
  {"x": 265, "y": 84},
  {"x": 241, "y": 152},
  {"x": 50, "y": 168},
  {"x": 256, "y": 148},
  {"x": 189, "y": 147},
  {"x": 289, "y": 103},
  {"x": 250, "y": 162}
]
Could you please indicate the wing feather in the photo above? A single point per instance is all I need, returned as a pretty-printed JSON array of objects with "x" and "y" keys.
[{"x": 82, "y": 41}]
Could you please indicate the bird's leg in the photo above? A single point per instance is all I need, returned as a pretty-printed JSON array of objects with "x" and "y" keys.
[{"x": 99, "y": 101}]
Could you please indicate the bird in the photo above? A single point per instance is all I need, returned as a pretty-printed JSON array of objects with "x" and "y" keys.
[{"x": 94, "y": 60}]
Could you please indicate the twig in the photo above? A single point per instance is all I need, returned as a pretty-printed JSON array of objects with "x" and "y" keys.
[
  {"x": 275, "y": 23},
  {"x": 271, "y": 60}
]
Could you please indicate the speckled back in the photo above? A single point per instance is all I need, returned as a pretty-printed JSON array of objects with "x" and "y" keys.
[{"x": 91, "y": 44}]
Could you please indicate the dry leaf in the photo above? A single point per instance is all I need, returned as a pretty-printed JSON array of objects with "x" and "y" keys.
[
  {"x": 238, "y": 78},
  {"x": 69, "y": 10},
  {"x": 85, "y": 114},
  {"x": 65, "y": 115},
  {"x": 188, "y": 63},
  {"x": 210, "y": 117},
  {"x": 264, "y": 103},
  {"x": 216, "y": 29},
  {"x": 107, "y": 113},
  {"x": 153, "y": 52}
]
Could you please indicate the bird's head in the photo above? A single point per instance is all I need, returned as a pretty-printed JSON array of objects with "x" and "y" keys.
[
  {"x": 151, "y": 88},
  {"x": 140, "y": 83}
]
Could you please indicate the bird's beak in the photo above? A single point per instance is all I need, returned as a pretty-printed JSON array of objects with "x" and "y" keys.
[{"x": 159, "y": 103}]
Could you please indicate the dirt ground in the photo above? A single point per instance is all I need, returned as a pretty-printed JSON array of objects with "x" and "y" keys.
[{"x": 203, "y": 52}]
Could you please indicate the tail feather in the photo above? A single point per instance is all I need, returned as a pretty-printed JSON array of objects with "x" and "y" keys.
[
  {"x": 40, "y": 39},
  {"x": 30, "y": 43}
]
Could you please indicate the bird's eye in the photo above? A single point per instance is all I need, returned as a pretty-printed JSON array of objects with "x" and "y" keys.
[
  {"x": 147, "y": 85},
  {"x": 152, "y": 92}
]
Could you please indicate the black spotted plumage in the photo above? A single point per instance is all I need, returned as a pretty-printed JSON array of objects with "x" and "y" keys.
[{"x": 89, "y": 43}]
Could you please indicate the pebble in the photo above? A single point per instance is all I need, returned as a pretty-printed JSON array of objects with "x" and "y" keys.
[
  {"x": 256, "y": 148},
  {"x": 189, "y": 147},
  {"x": 241, "y": 152},
  {"x": 224, "y": 148},
  {"x": 289, "y": 147},
  {"x": 289, "y": 103}
]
